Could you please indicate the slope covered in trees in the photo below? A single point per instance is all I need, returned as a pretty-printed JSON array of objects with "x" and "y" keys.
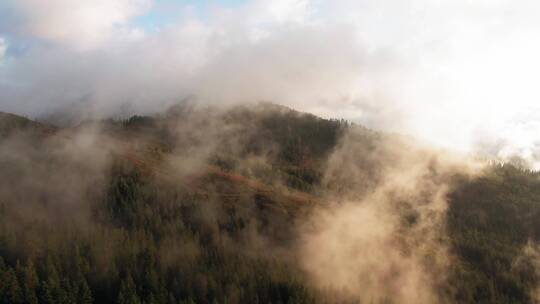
[{"x": 204, "y": 206}]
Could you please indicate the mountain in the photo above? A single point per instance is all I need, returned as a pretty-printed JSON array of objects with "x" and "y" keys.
[
  {"x": 12, "y": 123},
  {"x": 256, "y": 204}
]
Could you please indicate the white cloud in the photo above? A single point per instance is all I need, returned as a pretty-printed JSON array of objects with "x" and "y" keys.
[
  {"x": 81, "y": 23},
  {"x": 3, "y": 48},
  {"x": 280, "y": 11}
]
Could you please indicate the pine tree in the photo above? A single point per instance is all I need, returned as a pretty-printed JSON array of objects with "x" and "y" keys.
[
  {"x": 50, "y": 288},
  {"x": 11, "y": 292},
  {"x": 128, "y": 293},
  {"x": 84, "y": 294},
  {"x": 29, "y": 282}
]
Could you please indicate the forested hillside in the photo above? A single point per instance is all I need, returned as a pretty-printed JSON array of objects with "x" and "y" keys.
[{"x": 214, "y": 206}]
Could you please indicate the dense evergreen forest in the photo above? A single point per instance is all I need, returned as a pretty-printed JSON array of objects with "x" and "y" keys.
[{"x": 203, "y": 206}]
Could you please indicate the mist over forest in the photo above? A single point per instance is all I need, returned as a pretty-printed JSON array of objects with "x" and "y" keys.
[
  {"x": 257, "y": 151},
  {"x": 257, "y": 204}
]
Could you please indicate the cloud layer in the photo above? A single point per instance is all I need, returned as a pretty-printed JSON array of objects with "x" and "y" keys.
[{"x": 460, "y": 74}]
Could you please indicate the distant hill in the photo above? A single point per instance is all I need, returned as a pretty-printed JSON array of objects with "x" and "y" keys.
[{"x": 10, "y": 123}]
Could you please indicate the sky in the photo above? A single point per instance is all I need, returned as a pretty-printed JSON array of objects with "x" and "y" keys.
[{"x": 459, "y": 74}]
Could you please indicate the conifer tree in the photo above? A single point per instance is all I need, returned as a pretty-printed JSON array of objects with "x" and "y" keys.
[
  {"x": 11, "y": 291},
  {"x": 29, "y": 282},
  {"x": 128, "y": 292}
]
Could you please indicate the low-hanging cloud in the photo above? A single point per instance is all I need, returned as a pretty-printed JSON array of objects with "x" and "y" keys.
[
  {"x": 456, "y": 73},
  {"x": 381, "y": 238}
]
